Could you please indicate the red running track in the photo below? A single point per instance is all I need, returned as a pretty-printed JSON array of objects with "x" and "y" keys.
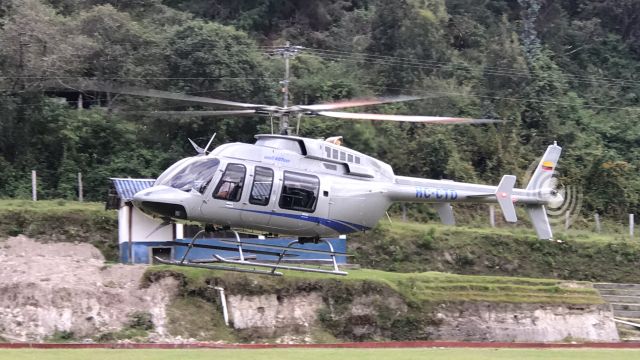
[{"x": 350, "y": 345}]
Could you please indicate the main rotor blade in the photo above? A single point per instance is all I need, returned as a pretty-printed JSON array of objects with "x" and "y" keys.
[
  {"x": 108, "y": 87},
  {"x": 357, "y": 102},
  {"x": 407, "y": 118},
  {"x": 194, "y": 113}
]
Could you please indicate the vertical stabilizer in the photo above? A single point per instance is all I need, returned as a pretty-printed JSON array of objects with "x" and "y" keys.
[
  {"x": 544, "y": 170},
  {"x": 540, "y": 183},
  {"x": 540, "y": 221}
]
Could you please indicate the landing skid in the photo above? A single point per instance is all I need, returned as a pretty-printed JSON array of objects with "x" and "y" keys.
[{"x": 248, "y": 264}]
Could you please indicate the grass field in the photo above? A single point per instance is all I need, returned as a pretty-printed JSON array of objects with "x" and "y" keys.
[{"x": 318, "y": 354}]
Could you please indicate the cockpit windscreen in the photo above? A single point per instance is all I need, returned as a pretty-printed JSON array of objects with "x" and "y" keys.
[{"x": 192, "y": 175}]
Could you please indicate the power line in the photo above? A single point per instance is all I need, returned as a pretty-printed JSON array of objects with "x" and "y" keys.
[
  {"x": 437, "y": 65},
  {"x": 505, "y": 98},
  {"x": 333, "y": 55},
  {"x": 450, "y": 93},
  {"x": 136, "y": 78},
  {"x": 384, "y": 59}
]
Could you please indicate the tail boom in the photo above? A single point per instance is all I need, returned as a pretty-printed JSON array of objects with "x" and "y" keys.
[{"x": 539, "y": 192}]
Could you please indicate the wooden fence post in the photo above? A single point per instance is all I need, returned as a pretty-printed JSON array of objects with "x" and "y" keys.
[
  {"x": 80, "y": 194},
  {"x": 34, "y": 191},
  {"x": 492, "y": 215}
]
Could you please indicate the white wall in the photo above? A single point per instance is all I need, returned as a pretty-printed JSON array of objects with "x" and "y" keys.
[{"x": 144, "y": 228}]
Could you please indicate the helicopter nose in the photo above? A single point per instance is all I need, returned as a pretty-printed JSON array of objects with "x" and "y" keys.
[{"x": 162, "y": 201}]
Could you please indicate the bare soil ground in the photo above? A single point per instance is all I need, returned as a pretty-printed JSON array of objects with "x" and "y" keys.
[{"x": 47, "y": 289}]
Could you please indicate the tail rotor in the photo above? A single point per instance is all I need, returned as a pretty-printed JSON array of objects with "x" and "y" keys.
[{"x": 563, "y": 203}]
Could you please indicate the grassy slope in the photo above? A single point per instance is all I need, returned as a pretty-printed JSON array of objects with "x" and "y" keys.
[
  {"x": 412, "y": 247},
  {"x": 418, "y": 287}
]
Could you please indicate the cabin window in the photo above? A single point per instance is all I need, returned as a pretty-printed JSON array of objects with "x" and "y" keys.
[
  {"x": 328, "y": 151},
  {"x": 230, "y": 186},
  {"x": 350, "y": 158},
  {"x": 261, "y": 188},
  {"x": 299, "y": 192},
  {"x": 343, "y": 156},
  {"x": 357, "y": 160},
  {"x": 335, "y": 154}
]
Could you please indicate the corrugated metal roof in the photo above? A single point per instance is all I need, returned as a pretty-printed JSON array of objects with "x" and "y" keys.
[{"x": 126, "y": 188}]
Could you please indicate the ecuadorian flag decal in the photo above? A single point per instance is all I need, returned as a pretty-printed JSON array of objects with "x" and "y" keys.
[{"x": 547, "y": 165}]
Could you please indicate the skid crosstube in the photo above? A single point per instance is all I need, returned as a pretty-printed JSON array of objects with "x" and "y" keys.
[
  {"x": 216, "y": 267},
  {"x": 278, "y": 247},
  {"x": 226, "y": 248},
  {"x": 242, "y": 264}
]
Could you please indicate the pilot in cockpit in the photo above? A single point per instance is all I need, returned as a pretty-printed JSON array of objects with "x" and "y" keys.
[{"x": 228, "y": 189}]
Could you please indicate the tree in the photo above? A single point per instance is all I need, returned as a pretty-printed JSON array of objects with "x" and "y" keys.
[{"x": 35, "y": 46}]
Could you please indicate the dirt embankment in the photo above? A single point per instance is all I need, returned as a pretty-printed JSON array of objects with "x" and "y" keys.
[
  {"x": 65, "y": 290},
  {"x": 317, "y": 309}
]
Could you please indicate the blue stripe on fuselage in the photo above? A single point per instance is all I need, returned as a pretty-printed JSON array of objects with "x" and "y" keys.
[{"x": 342, "y": 227}]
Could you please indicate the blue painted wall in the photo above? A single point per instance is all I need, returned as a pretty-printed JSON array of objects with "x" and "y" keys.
[{"x": 141, "y": 250}]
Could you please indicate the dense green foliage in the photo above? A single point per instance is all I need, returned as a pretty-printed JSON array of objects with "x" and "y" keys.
[{"x": 555, "y": 70}]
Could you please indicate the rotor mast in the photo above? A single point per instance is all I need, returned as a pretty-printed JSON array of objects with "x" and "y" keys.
[{"x": 287, "y": 52}]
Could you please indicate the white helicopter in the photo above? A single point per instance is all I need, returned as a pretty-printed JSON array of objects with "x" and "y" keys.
[{"x": 312, "y": 188}]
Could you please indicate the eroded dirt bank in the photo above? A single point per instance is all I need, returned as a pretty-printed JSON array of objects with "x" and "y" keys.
[
  {"x": 65, "y": 291},
  {"x": 65, "y": 288}
]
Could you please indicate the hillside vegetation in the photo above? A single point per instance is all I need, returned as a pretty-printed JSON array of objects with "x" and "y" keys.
[
  {"x": 563, "y": 71},
  {"x": 579, "y": 255}
]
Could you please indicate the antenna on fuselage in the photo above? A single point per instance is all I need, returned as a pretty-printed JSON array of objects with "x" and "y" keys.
[
  {"x": 200, "y": 150},
  {"x": 209, "y": 143}
]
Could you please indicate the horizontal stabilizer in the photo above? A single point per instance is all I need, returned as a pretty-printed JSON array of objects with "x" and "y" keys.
[
  {"x": 445, "y": 211},
  {"x": 503, "y": 195}
]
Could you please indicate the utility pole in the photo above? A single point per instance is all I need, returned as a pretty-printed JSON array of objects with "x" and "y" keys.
[{"x": 287, "y": 52}]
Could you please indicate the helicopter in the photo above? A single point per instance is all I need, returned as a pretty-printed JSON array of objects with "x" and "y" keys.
[{"x": 311, "y": 188}]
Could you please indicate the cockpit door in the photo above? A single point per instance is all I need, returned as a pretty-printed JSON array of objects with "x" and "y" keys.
[
  {"x": 256, "y": 210},
  {"x": 222, "y": 206}
]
